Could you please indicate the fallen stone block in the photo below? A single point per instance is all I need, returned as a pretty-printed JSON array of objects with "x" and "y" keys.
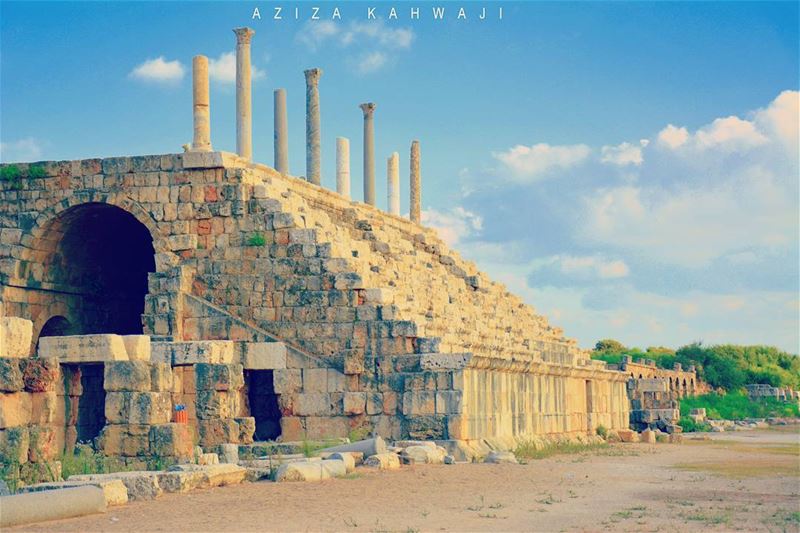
[
  {"x": 648, "y": 436},
  {"x": 15, "y": 337},
  {"x": 383, "y": 461},
  {"x": 51, "y": 505},
  {"x": 308, "y": 471},
  {"x": 141, "y": 485},
  {"x": 228, "y": 453},
  {"x": 424, "y": 454},
  {"x": 408, "y": 443},
  {"x": 215, "y": 475},
  {"x": 182, "y": 481},
  {"x": 208, "y": 459},
  {"x": 498, "y": 457},
  {"x": 83, "y": 348},
  {"x": 367, "y": 447},
  {"x": 114, "y": 490},
  {"x": 255, "y": 474},
  {"x": 334, "y": 467},
  {"x": 628, "y": 435}
]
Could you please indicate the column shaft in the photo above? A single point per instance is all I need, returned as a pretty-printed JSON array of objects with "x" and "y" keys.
[
  {"x": 343, "y": 166},
  {"x": 415, "y": 185},
  {"x": 244, "y": 108},
  {"x": 393, "y": 183},
  {"x": 200, "y": 104},
  {"x": 313, "y": 150},
  {"x": 369, "y": 153},
  {"x": 281, "y": 133}
]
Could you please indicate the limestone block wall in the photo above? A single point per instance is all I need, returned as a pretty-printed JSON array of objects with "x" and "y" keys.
[{"x": 681, "y": 382}]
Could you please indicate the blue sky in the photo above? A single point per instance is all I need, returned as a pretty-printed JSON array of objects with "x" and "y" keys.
[{"x": 630, "y": 169}]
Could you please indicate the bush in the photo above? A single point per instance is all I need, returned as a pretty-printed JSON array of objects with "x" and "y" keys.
[
  {"x": 690, "y": 426},
  {"x": 602, "y": 431},
  {"x": 738, "y": 406}
]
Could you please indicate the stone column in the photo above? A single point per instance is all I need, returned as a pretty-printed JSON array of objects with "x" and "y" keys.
[
  {"x": 369, "y": 153},
  {"x": 202, "y": 115},
  {"x": 281, "y": 133},
  {"x": 393, "y": 183},
  {"x": 313, "y": 149},
  {"x": 244, "y": 108},
  {"x": 343, "y": 166},
  {"x": 415, "y": 188}
]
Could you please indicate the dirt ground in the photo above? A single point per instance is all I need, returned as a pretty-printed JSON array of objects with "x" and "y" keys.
[{"x": 745, "y": 481}]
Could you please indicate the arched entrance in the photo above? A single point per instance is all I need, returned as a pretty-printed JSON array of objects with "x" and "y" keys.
[{"x": 96, "y": 258}]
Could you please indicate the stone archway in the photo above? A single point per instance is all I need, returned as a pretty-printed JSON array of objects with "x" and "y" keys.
[{"x": 95, "y": 258}]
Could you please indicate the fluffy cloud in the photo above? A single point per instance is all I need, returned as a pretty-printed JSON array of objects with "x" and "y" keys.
[
  {"x": 159, "y": 70},
  {"x": 453, "y": 225},
  {"x": 223, "y": 69},
  {"x": 377, "y": 42},
  {"x": 623, "y": 154},
  {"x": 531, "y": 163},
  {"x": 571, "y": 270},
  {"x": 28, "y": 149}
]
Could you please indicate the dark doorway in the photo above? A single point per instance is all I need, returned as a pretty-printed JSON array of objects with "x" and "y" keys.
[
  {"x": 91, "y": 403},
  {"x": 100, "y": 254},
  {"x": 263, "y": 404}
]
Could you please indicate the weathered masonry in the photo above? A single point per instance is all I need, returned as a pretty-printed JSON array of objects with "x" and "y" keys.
[{"x": 268, "y": 305}]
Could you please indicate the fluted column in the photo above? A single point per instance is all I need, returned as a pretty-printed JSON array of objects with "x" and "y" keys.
[
  {"x": 369, "y": 153},
  {"x": 281, "y": 133},
  {"x": 313, "y": 149},
  {"x": 343, "y": 166},
  {"x": 415, "y": 185},
  {"x": 200, "y": 104},
  {"x": 244, "y": 107},
  {"x": 393, "y": 183}
]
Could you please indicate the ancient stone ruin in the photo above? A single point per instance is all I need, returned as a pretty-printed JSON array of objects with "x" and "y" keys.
[{"x": 260, "y": 306}]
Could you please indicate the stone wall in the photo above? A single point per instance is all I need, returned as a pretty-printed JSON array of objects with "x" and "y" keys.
[
  {"x": 681, "y": 382},
  {"x": 243, "y": 253}
]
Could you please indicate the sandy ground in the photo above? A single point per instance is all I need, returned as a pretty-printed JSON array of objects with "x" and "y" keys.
[{"x": 745, "y": 481}]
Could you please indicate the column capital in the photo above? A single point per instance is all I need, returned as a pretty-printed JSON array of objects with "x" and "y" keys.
[
  {"x": 313, "y": 75},
  {"x": 243, "y": 35},
  {"x": 368, "y": 108}
]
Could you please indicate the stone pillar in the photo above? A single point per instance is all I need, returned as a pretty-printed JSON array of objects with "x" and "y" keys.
[
  {"x": 343, "y": 166},
  {"x": 393, "y": 183},
  {"x": 415, "y": 189},
  {"x": 281, "y": 133},
  {"x": 202, "y": 115},
  {"x": 244, "y": 108},
  {"x": 369, "y": 153},
  {"x": 313, "y": 155}
]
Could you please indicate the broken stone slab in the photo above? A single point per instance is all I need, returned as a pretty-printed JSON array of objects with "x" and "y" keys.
[
  {"x": 114, "y": 490},
  {"x": 141, "y": 485},
  {"x": 449, "y": 460},
  {"x": 628, "y": 435},
  {"x": 83, "y": 348},
  {"x": 498, "y": 457},
  {"x": 310, "y": 470},
  {"x": 367, "y": 447},
  {"x": 15, "y": 337},
  {"x": 407, "y": 443},
  {"x": 444, "y": 361},
  {"x": 263, "y": 355},
  {"x": 181, "y": 481},
  {"x": 137, "y": 347},
  {"x": 208, "y": 459},
  {"x": 214, "y": 475},
  {"x": 255, "y": 474},
  {"x": 51, "y": 505},
  {"x": 424, "y": 454},
  {"x": 648, "y": 436},
  {"x": 383, "y": 461}
]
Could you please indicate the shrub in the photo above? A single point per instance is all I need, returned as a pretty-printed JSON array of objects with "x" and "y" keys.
[
  {"x": 36, "y": 171},
  {"x": 12, "y": 175},
  {"x": 256, "y": 239},
  {"x": 738, "y": 406},
  {"x": 602, "y": 431},
  {"x": 690, "y": 426}
]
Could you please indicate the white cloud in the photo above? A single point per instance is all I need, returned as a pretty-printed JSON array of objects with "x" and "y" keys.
[
  {"x": 531, "y": 163},
  {"x": 159, "y": 70},
  {"x": 373, "y": 44},
  {"x": 453, "y": 225},
  {"x": 223, "y": 69},
  {"x": 673, "y": 137},
  {"x": 780, "y": 120},
  {"x": 371, "y": 62},
  {"x": 28, "y": 149},
  {"x": 623, "y": 154}
]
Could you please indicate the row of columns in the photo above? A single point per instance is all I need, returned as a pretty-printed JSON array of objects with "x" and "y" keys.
[{"x": 244, "y": 136}]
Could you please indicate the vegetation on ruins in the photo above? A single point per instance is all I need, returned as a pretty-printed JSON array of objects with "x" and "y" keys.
[
  {"x": 726, "y": 366},
  {"x": 12, "y": 175},
  {"x": 256, "y": 239},
  {"x": 738, "y": 406}
]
